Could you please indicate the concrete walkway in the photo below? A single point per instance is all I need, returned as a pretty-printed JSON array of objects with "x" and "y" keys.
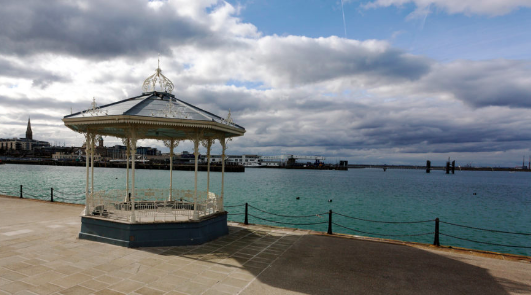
[{"x": 40, "y": 254}]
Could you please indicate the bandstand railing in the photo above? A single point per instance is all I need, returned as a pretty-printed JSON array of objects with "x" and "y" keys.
[{"x": 151, "y": 205}]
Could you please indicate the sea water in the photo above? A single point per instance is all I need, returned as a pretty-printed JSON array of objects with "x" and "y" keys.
[{"x": 483, "y": 199}]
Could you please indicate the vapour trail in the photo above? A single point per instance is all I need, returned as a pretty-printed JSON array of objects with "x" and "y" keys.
[{"x": 344, "y": 23}]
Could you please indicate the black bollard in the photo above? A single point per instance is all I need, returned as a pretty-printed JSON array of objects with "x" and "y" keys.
[
  {"x": 51, "y": 195},
  {"x": 246, "y": 222},
  {"x": 453, "y": 167},
  {"x": 428, "y": 166},
  {"x": 329, "y": 222},
  {"x": 448, "y": 167},
  {"x": 436, "y": 238},
  {"x": 21, "y": 191}
]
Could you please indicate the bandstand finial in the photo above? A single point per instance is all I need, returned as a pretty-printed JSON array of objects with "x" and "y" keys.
[{"x": 158, "y": 78}]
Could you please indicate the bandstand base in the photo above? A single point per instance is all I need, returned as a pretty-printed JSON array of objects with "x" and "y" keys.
[{"x": 154, "y": 234}]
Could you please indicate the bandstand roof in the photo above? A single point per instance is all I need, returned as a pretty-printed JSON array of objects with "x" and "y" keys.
[{"x": 158, "y": 115}]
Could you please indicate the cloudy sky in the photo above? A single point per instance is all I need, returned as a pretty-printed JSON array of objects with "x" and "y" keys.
[{"x": 370, "y": 81}]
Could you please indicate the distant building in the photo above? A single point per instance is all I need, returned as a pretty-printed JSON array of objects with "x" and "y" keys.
[
  {"x": 23, "y": 144},
  {"x": 29, "y": 133}
]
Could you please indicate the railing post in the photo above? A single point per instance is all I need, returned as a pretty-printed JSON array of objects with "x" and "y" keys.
[
  {"x": 51, "y": 195},
  {"x": 436, "y": 239},
  {"x": 21, "y": 191},
  {"x": 246, "y": 222},
  {"x": 330, "y": 223}
]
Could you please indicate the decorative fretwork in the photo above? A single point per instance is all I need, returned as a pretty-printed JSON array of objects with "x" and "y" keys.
[
  {"x": 224, "y": 146},
  {"x": 158, "y": 78},
  {"x": 94, "y": 110},
  {"x": 169, "y": 143},
  {"x": 171, "y": 111},
  {"x": 208, "y": 142}
]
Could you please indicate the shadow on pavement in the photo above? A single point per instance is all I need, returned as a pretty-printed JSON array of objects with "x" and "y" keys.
[
  {"x": 313, "y": 264},
  {"x": 329, "y": 265}
]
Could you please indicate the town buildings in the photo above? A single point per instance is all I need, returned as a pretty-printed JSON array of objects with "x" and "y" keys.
[{"x": 22, "y": 145}]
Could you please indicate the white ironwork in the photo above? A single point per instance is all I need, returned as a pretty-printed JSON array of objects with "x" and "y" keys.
[
  {"x": 207, "y": 143},
  {"x": 141, "y": 205},
  {"x": 92, "y": 148},
  {"x": 132, "y": 143},
  {"x": 171, "y": 111},
  {"x": 152, "y": 205},
  {"x": 228, "y": 120},
  {"x": 158, "y": 78},
  {"x": 223, "y": 141},
  {"x": 88, "y": 147},
  {"x": 127, "y": 143},
  {"x": 171, "y": 144},
  {"x": 197, "y": 139},
  {"x": 94, "y": 110}
]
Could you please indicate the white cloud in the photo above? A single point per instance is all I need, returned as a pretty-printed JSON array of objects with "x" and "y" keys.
[
  {"x": 331, "y": 96},
  {"x": 482, "y": 7}
]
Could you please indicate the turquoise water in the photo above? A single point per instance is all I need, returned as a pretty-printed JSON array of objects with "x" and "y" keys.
[{"x": 493, "y": 200}]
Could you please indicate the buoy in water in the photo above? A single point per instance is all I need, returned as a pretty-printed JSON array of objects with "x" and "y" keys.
[
  {"x": 330, "y": 201},
  {"x": 298, "y": 198},
  {"x": 475, "y": 194}
]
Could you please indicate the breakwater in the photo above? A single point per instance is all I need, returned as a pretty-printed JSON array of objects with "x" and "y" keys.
[{"x": 439, "y": 168}]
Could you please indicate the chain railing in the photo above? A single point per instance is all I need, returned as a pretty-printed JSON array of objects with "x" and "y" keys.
[
  {"x": 436, "y": 233},
  {"x": 154, "y": 205}
]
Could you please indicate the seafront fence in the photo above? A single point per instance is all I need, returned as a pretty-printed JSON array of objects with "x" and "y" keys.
[
  {"x": 436, "y": 233},
  {"x": 307, "y": 220},
  {"x": 52, "y": 195}
]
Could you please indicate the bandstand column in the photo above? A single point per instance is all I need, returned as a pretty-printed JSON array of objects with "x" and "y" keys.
[
  {"x": 133, "y": 158},
  {"x": 223, "y": 148},
  {"x": 196, "y": 154},
  {"x": 126, "y": 141},
  {"x": 209, "y": 146},
  {"x": 87, "y": 151},
  {"x": 171, "y": 144},
  {"x": 171, "y": 170},
  {"x": 92, "y": 148}
]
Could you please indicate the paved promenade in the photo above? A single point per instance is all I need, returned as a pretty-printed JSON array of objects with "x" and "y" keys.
[{"x": 40, "y": 254}]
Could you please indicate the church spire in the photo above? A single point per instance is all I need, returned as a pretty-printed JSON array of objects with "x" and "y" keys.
[{"x": 29, "y": 133}]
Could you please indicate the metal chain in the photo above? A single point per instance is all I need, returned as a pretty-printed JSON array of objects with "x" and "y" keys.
[
  {"x": 491, "y": 230},
  {"x": 351, "y": 217},
  {"x": 368, "y": 233},
  {"x": 314, "y": 223},
  {"x": 291, "y": 216},
  {"x": 493, "y": 244}
]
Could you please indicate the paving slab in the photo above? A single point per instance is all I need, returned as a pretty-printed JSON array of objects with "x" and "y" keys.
[{"x": 41, "y": 254}]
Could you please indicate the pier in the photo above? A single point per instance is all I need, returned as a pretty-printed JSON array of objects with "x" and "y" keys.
[{"x": 41, "y": 254}]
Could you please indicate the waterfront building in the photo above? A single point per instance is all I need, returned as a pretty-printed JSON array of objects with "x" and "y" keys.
[{"x": 23, "y": 144}]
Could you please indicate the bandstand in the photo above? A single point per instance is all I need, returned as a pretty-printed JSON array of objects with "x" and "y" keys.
[{"x": 156, "y": 216}]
